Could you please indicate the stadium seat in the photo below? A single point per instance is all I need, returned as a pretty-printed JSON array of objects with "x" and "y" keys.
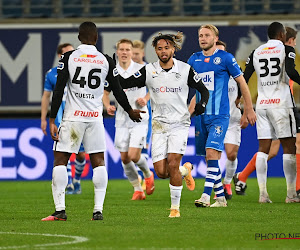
[
  {"x": 160, "y": 8},
  {"x": 193, "y": 7},
  {"x": 72, "y": 8},
  {"x": 253, "y": 7},
  {"x": 281, "y": 7},
  {"x": 103, "y": 9},
  {"x": 221, "y": 7},
  {"x": 133, "y": 7},
  {"x": 41, "y": 8},
  {"x": 12, "y": 8}
]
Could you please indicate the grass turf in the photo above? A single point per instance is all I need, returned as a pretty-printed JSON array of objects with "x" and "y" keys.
[{"x": 145, "y": 224}]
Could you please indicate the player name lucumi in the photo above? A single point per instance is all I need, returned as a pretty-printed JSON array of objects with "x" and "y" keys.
[{"x": 86, "y": 96}]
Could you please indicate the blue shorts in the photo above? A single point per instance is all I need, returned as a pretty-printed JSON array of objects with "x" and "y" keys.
[{"x": 210, "y": 131}]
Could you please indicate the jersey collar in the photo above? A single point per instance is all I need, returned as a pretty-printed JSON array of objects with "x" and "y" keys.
[
  {"x": 174, "y": 69},
  {"x": 86, "y": 46},
  {"x": 129, "y": 70}
]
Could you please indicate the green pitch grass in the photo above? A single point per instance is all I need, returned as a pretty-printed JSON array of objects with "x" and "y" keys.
[{"x": 145, "y": 224}]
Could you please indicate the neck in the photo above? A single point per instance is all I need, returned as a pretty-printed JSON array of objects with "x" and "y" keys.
[
  {"x": 209, "y": 52},
  {"x": 166, "y": 65},
  {"x": 125, "y": 65}
]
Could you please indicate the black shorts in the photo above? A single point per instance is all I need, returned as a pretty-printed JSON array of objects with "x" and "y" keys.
[{"x": 297, "y": 118}]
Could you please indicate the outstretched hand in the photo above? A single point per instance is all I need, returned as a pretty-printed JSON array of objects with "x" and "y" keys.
[
  {"x": 135, "y": 115},
  {"x": 200, "y": 108}
]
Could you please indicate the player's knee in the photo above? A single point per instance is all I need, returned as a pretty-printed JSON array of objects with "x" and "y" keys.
[
  {"x": 80, "y": 156},
  {"x": 298, "y": 146},
  {"x": 231, "y": 156},
  {"x": 161, "y": 174}
]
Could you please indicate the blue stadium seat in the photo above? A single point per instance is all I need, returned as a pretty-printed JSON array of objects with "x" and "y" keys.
[
  {"x": 12, "y": 8},
  {"x": 254, "y": 7},
  {"x": 103, "y": 9},
  {"x": 133, "y": 7},
  {"x": 41, "y": 8},
  {"x": 281, "y": 7},
  {"x": 221, "y": 7},
  {"x": 72, "y": 8},
  {"x": 160, "y": 8},
  {"x": 192, "y": 7}
]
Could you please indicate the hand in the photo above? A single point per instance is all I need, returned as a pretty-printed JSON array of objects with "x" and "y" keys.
[
  {"x": 53, "y": 130},
  {"x": 111, "y": 110},
  {"x": 251, "y": 116},
  {"x": 238, "y": 103},
  {"x": 135, "y": 115},
  {"x": 44, "y": 126},
  {"x": 200, "y": 108},
  {"x": 141, "y": 101},
  {"x": 244, "y": 121}
]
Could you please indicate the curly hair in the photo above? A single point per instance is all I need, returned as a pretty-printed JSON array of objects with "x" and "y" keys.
[{"x": 175, "y": 39}]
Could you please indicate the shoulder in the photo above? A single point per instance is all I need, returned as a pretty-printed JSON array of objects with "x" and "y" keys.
[{"x": 195, "y": 55}]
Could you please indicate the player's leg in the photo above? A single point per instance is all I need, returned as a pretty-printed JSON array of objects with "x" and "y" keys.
[
  {"x": 70, "y": 186},
  {"x": 122, "y": 139},
  {"x": 297, "y": 118},
  {"x": 95, "y": 146},
  {"x": 79, "y": 167},
  {"x": 173, "y": 163},
  {"x": 159, "y": 154}
]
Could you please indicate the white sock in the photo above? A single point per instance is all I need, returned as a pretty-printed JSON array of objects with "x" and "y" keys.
[
  {"x": 100, "y": 179},
  {"x": 69, "y": 171},
  {"x": 175, "y": 192},
  {"x": 59, "y": 183},
  {"x": 231, "y": 167},
  {"x": 143, "y": 165},
  {"x": 132, "y": 175},
  {"x": 261, "y": 172},
  {"x": 290, "y": 172}
]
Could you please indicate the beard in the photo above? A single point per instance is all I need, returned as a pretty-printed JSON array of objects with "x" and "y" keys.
[
  {"x": 209, "y": 46},
  {"x": 165, "y": 60}
]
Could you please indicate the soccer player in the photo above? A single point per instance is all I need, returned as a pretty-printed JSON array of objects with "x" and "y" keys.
[
  {"x": 274, "y": 106},
  {"x": 215, "y": 67},
  {"x": 73, "y": 186},
  {"x": 233, "y": 135},
  {"x": 84, "y": 71},
  {"x": 130, "y": 137},
  {"x": 241, "y": 178},
  {"x": 168, "y": 81},
  {"x": 138, "y": 52}
]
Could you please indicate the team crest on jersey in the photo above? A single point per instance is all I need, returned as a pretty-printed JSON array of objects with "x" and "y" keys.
[
  {"x": 60, "y": 65},
  {"x": 115, "y": 72},
  {"x": 217, "y": 60},
  {"x": 218, "y": 131},
  {"x": 177, "y": 75},
  {"x": 292, "y": 55},
  {"x": 106, "y": 84},
  {"x": 137, "y": 74}
]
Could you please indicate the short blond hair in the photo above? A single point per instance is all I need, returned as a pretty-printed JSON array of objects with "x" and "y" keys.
[
  {"x": 138, "y": 44},
  {"x": 211, "y": 27},
  {"x": 124, "y": 40}
]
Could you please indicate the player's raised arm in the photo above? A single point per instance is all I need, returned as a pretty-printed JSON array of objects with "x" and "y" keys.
[
  {"x": 194, "y": 81},
  {"x": 113, "y": 79}
]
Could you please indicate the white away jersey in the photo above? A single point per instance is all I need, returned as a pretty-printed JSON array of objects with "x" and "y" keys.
[
  {"x": 122, "y": 118},
  {"x": 235, "y": 113},
  {"x": 87, "y": 69},
  {"x": 273, "y": 88},
  {"x": 169, "y": 92}
]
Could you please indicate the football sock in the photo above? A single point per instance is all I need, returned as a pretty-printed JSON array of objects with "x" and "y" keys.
[
  {"x": 175, "y": 192},
  {"x": 218, "y": 187},
  {"x": 231, "y": 167},
  {"x": 298, "y": 172},
  {"x": 132, "y": 175},
  {"x": 59, "y": 183},
  {"x": 69, "y": 171},
  {"x": 261, "y": 172},
  {"x": 100, "y": 179},
  {"x": 243, "y": 176},
  {"x": 79, "y": 167},
  {"x": 211, "y": 176},
  {"x": 143, "y": 165},
  {"x": 289, "y": 169}
]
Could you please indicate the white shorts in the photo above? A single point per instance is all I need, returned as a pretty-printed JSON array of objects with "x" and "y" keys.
[
  {"x": 275, "y": 123},
  {"x": 172, "y": 139},
  {"x": 233, "y": 134},
  {"x": 71, "y": 134},
  {"x": 134, "y": 137}
]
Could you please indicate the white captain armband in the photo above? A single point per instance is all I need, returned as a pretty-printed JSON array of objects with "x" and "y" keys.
[
  {"x": 60, "y": 66},
  {"x": 137, "y": 74},
  {"x": 115, "y": 72}
]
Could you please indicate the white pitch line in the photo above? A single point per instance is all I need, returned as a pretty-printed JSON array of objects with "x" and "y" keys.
[{"x": 76, "y": 239}]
